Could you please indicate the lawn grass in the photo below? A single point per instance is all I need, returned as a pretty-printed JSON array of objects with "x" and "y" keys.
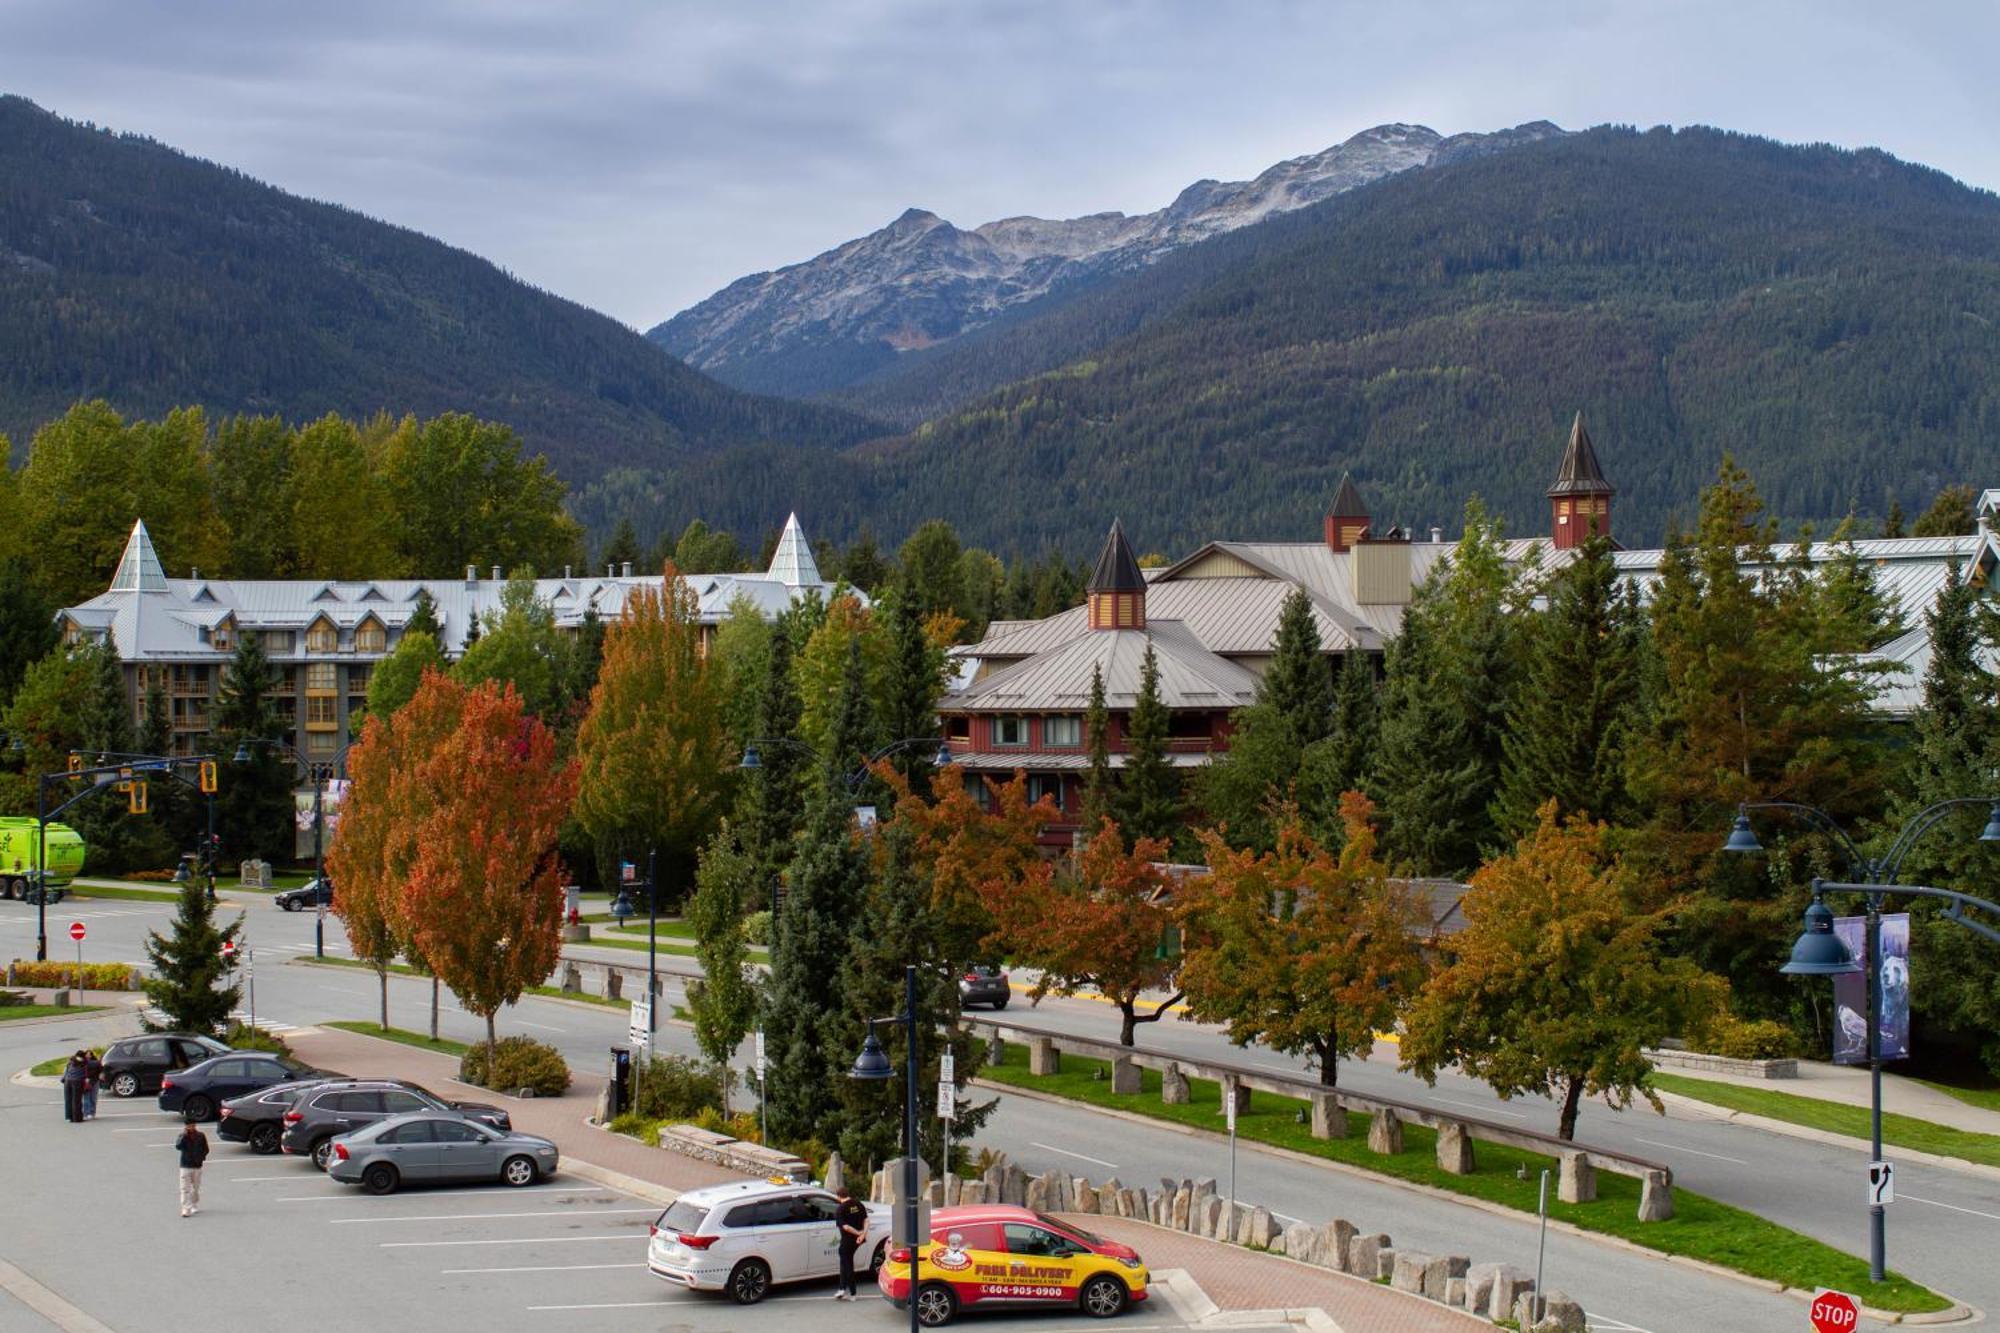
[
  {"x": 405, "y": 970},
  {"x": 11, "y": 1012},
  {"x": 670, "y": 944},
  {"x": 1701, "y": 1228},
  {"x": 1900, "y": 1131},
  {"x": 50, "y": 1067},
  {"x": 443, "y": 1045},
  {"x": 135, "y": 895},
  {"x": 1986, "y": 1099}
]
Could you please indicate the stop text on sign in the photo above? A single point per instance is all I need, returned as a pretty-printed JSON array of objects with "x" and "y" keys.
[{"x": 1834, "y": 1312}]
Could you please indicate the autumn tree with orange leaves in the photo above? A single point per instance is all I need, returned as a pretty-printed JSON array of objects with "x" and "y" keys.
[
  {"x": 1100, "y": 923},
  {"x": 483, "y": 894},
  {"x": 1306, "y": 951}
]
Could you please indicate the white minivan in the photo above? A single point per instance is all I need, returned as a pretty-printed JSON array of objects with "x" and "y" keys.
[{"x": 745, "y": 1237}]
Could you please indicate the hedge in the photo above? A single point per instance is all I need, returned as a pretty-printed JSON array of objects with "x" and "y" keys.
[
  {"x": 96, "y": 976},
  {"x": 518, "y": 1062}
]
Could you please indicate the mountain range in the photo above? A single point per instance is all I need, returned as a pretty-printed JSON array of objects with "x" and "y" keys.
[
  {"x": 849, "y": 315},
  {"x": 153, "y": 279}
]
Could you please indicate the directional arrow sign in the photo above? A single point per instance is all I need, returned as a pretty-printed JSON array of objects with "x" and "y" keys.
[{"x": 1881, "y": 1182}]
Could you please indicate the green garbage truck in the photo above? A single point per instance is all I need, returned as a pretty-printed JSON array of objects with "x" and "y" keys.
[{"x": 22, "y": 875}]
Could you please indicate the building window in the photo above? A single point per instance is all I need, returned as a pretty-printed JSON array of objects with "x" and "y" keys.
[
  {"x": 1010, "y": 730},
  {"x": 320, "y": 742},
  {"x": 1045, "y": 784},
  {"x": 1189, "y": 727},
  {"x": 220, "y": 638},
  {"x": 975, "y": 786},
  {"x": 322, "y": 676},
  {"x": 357, "y": 679},
  {"x": 275, "y": 641},
  {"x": 371, "y": 638},
  {"x": 285, "y": 708},
  {"x": 1063, "y": 729},
  {"x": 958, "y": 727},
  {"x": 321, "y": 711},
  {"x": 322, "y": 638}
]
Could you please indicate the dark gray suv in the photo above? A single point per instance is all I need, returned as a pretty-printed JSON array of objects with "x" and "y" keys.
[
  {"x": 325, "y": 1113},
  {"x": 982, "y": 983}
]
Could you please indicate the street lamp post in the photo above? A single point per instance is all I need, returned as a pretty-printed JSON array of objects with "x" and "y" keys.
[
  {"x": 872, "y": 1065},
  {"x": 1819, "y": 952}
]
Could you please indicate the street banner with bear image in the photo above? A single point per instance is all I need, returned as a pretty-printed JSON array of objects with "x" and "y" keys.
[{"x": 1850, "y": 993}]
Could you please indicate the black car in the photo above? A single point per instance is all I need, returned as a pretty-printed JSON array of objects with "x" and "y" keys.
[
  {"x": 313, "y": 893},
  {"x": 199, "y": 1091},
  {"x": 134, "y": 1065},
  {"x": 258, "y": 1118},
  {"x": 324, "y": 1113}
]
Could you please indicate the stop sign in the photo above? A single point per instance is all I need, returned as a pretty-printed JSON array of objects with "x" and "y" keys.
[
  {"x": 76, "y": 930},
  {"x": 1834, "y": 1312}
]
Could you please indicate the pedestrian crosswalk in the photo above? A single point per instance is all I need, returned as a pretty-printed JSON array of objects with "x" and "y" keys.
[{"x": 157, "y": 1018}]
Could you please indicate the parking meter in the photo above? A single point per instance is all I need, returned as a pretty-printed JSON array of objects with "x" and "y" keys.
[{"x": 621, "y": 1081}]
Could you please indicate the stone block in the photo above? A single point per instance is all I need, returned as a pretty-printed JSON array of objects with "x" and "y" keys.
[
  {"x": 1014, "y": 1186},
  {"x": 1578, "y": 1181},
  {"x": 1174, "y": 1086},
  {"x": 1407, "y": 1271},
  {"x": 1329, "y": 1118},
  {"x": 1559, "y": 1314},
  {"x": 1385, "y": 1133},
  {"x": 1208, "y": 1215},
  {"x": 1441, "y": 1272},
  {"x": 996, "y": 1051},
  {"x": 1128, "y": 1203},
  {"x": 1385, "y": 1263},
  {"x": 1302, "y": 1242},
  {"x": 1125, "y": 1076},
  {"x": 954, "y": 1190},
  {"x": 836, "y": 1173},
  {"x": 935, "y": 1195},
  {"x": 1231, "y": 1088},
  {"x": 1454, "y": 1293},
  {"x": 614, "y": 984},
  {"x": 1512, "y": 1286},
  {"x": 1362, "y": 1253},
  {"x": 1037, "y": 1197},
  {"x": 1263, "y": 1228},
  {"x": 1656, "y": 1198},
  {"x": 1334, "y": 1238},
  {"x": 572, "y": 978},
  {"x": 1277, "y": 1244},
  {"x": 1183, "y": 1199},
  {"x": 1205, "y": 1185},
  {"x": 1083, "y": 1196},
  {"x": 1043, "y": 1058},
  {"x": 1454, "y": 1148}
]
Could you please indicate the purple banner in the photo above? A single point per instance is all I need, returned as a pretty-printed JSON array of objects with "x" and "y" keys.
[{"x": 1850, "y": 994}]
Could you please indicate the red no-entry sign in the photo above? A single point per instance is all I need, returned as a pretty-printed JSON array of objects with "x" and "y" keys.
[
  {"x": 1834, "y": 1312},
  {"x": 76, "y": 930}
]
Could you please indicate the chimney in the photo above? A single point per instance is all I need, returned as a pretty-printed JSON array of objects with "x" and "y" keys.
[
  {"x": 566, "y": 570},
  {"x": 1347, "y": 517},
  {"x": 1381, "y": 570},
  {"x": 472, "y": 576},
  {"x": 1437, "y": 535},
  {"x": 610, "y": 570},
  {"x": 628, "y": 569},
  {"x": 1117, "y": 588},
  {"x": 194, "y": 572},
  {"x": 496, "y": 573}
]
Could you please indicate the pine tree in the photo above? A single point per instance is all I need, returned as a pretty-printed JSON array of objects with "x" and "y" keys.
[
  {"x": 1149, "y": 800},
  {"x": 1298, "y": 683},
  {"x": 623, "y": 548},
  {"x": 1572, "y": 708},
  {"x": 190, "y": 969},
  {"x": 1892, "y": 522},
  {"x": 1330, "y": 768},
  {"x": 1099, "y": 790},
  {"x": 424, "y": 616},
  {"x": 775, "y": 791},
  {"x": 253, "y": 811},
  {"x": 851, "y": 738},
  {"x": 915, "y": 680}
]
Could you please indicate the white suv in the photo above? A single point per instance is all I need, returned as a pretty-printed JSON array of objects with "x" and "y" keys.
[{"x": 741, "y": 1238}]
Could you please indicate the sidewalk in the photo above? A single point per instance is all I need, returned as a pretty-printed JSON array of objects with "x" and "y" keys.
[
  {"x": 1849, "y": 1085},
  {"x": 1235, "y": 1279}
]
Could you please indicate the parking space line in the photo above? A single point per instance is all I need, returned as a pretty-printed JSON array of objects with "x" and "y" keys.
[
  {"x": 138, "y": 1129},
  {"x": 536, "y": 1268},
  {"x": 350, "y": 1195},
  {"x": 612, "y": 1305},
  {"x": 1953, "y": 1207},
  {"x": 510, "y": 1240},
  {"x": 492, "y": 1217}
]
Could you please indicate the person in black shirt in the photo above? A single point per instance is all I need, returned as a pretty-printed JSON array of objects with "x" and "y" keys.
[
  {"x": 193, "y": 1145},
  {"x": 852, "y": 1219}
]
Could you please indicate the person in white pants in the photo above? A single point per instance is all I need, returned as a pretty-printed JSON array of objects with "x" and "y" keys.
[{"x": 193, "y": 1145}]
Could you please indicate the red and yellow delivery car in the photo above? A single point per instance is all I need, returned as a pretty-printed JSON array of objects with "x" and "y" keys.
[{"x": 990, "y": 1255}]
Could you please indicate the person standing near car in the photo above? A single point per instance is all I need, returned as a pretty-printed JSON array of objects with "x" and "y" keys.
[
  {"x": 93, "y": 1072},
  {"x": 193, "y": 1146},
  {"x": 851, "y": 1216},
  {"x": 74, "y": 1075}
]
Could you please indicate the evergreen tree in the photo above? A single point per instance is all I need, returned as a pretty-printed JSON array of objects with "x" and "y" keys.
[
  {"x": 1572, "y": 708},
  {"x": 1298, "y": 683},
  {"x": 862, "y": 564},
  {"x": 1330, "y": 768},
  {"x": 27, "y": 624},
  {"x": 774, "y": 792},
  {"x": 1149, "y": 803},
  {"x": 424, "y": 616},
  {"x": 1238, "y": 788},
  {"x": 190, "y": 971},
  {"x": 851, "y": 738},
  {"x": 253, "y": 811},
  {"x": 915, "y": 681},
  {"x": 1950, "y": 514},
  {"x": 623, "y": 546},
  {"x": 156, "y": 736},
  {"x": 1892, "y": 522},
  {"x": 1100, "y": 794}
]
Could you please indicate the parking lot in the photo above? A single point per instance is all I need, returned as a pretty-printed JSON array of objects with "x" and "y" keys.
[{"x": 94, "y": 1220}]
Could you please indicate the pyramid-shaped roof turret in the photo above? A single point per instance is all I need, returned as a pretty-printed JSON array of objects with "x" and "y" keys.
[
  {"x": 1347, "y": 500},
  {"x": 1579, "y": 473},
  {"x": 792, "y": 564},
  {"x": 1117, "y": 570},
  {"x": 139, "y": 569}
]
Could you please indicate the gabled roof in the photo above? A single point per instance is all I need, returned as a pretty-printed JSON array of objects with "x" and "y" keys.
[
  {"x": 1579, "y": 473},
  {"x": 1347, "y": 500},
  {"x": 139, "y": 569},
  {"x": 792, "y": 564},
  {"x": 1117, "y": 570},
  {"x": 1059, "y": 680}
]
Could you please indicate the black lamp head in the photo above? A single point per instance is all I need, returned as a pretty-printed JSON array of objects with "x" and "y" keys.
[
  {"x": 872, "y": 1065},
  {"x": 751, "y": 759},
  {"x": 1742, "y": 838},
  {"x": 1819, "y": 952}
]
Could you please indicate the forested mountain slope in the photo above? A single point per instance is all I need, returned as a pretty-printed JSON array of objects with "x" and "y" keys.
[{"x": 134, "y": 273}]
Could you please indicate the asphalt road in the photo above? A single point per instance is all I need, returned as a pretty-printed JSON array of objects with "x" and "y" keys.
[{"x": 1944, "y": 1228}]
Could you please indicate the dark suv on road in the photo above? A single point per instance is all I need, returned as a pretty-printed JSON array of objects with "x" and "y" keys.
[
  {"x": 322, "y": 1114},
  {"x": 133, "y": 1065},
  {"x": 982, "y": 983},
  {"x": 258, "y": 1118}
]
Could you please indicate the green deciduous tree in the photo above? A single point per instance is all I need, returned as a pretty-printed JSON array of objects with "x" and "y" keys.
[
  {"x": 397, "y": 676},
  {"x": 465, "y": 495},
  {"x": 930, "y": 570},
  {"x": 250, "y": 464},
  {"x": 723, "y": 1003},
  {"x": 1556, "y": 986},
  {"x": 341, "y": 516}
]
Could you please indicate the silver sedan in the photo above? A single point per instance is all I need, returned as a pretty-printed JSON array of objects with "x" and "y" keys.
[{"x": 423, "y": 1146}]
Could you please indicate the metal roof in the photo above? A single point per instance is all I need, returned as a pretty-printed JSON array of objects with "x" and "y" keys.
[{"x": 1191, "y": 676}]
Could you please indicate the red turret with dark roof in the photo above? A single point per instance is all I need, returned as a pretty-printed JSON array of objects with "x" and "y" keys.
[
  {"x": 1347, "y": 519},
  {"x": 1117, "y": 587},
  {"x": 1580, "y": 499}
]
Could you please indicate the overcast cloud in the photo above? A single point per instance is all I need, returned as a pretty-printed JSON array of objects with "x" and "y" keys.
[{"x": 635, "y": 157}]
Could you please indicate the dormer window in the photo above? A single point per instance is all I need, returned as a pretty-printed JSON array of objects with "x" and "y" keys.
[
  {"x": 370, "y": 637},
  {"x": 322, "y": 637}
]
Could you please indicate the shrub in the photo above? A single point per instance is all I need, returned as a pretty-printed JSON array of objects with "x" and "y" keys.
[
  {"x": 15, "y": 997},
  {"x": 674, "y": 1087},
  {"x": 742, "y": 1125},
  {"x": 241, "y": 1038},
  {"x": 757, "y": 928},
  {"x": 51, "y": 974},
  {"x": 637, "y": 1127},
  {"x": 1738, "y": 1039},
  {"x": 518, "y": 1062},
  {"x": 150, "y": 876}
]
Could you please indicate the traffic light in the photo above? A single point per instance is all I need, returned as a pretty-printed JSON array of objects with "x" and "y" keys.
[
  {"x": 208, "y": 777},
  {"x": 75, "y": 762},
  {"x": 125, "y": 783},
  {"x": 137, "y": 793}
]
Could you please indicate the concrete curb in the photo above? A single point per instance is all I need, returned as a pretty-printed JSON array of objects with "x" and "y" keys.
[
  {"x": 1828, "y": 1137},
  {"x": 1958, "y": 1312}
]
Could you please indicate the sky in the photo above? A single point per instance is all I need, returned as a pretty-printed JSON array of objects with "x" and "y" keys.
[{"x": 636, "y": 157}]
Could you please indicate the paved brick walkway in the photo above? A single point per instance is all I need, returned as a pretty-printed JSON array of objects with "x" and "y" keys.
[{"x": 1233, "y": 1277}]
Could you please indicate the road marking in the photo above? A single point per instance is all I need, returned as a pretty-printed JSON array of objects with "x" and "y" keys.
[
  {"x": 1677, "y": 1147},
  {"x": 428, "y": 1194},
  {"x": 138, "y": 1129},
  {"x": 536, "y": 1268},
  {"x": 514, "y": 1240},
  {"x": 1606, "y": 1324},
  {"x": 244, "y": 1180},
  {"x": 1479, "y": 1107},
  {"x": 493, "y": 1217},
  {"x": 543, "y": 1026},
  {"x": 1954, "y": 1207},
  {"x": 46, "y": 1303},
  {"x": 615, "y": 1305},
  {"x": 127, "y": 1115},
  {"x": 1050, "y": 1147}
]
